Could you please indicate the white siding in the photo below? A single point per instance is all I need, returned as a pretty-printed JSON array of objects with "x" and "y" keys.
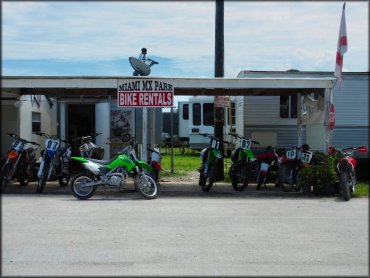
[
  {"x": 352, "y": 101},
  {"x": 264, "y": 110}
]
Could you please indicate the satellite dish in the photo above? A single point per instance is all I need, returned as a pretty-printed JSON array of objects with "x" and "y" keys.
[{"x": 140, "y": 67}]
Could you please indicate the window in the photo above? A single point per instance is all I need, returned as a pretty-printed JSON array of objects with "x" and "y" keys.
[
  {"x": 208, "y": 114},
  {"x": 288, "y": 106},
  {"x": 36, "y": 122},
  {"x": 196, "y": 114},
  {"x": 185, "y": 112}
]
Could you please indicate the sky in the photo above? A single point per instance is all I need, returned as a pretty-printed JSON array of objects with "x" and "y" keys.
[{"x": 96, "y": 38}]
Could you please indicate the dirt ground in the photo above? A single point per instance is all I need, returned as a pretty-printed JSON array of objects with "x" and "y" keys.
[{"x": 191, "y": 176}]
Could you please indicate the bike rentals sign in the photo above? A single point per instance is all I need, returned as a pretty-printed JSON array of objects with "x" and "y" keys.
[{"x": 144, "y": 93}]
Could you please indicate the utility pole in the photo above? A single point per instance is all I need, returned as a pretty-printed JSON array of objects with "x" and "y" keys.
[{"x": 219, "y": 72}]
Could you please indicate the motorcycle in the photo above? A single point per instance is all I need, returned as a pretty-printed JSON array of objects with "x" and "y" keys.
[
  {"x": 155, "y": 161},
  {"x": 242, "y": 168},
  {"x": 113, "y": 173},
  {"x": 55, "y": 162},
  {"x": 20, "y": 163},
  {"x": 89, "y": 149},
  {"x": 267, "y": 160},
  {"x": 289, "y": 167},
  {"x": 209, "y": 157},
  {"x": 346, "y": 168}
]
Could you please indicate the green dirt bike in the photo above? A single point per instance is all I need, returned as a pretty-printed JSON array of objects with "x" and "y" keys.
[
  {"x": 209, "y": 157},
  {"x": 242, "y": 158},
  {"x": 113, "y": 173}
]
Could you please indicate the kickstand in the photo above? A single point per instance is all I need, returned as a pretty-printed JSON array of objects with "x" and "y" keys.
[{"x": 105, "y": 191}]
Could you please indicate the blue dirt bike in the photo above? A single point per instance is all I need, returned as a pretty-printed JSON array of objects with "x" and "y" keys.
[{"x": 55, "y": 162}]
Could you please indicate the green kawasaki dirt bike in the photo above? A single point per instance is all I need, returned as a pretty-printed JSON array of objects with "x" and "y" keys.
[
  {"x": 209, "y": 157},
  {"x": 242, "y": 170},
  {"x": 113, "y": 173}
]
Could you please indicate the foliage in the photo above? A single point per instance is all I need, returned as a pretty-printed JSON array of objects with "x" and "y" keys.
[
  {"x": 325, "y": 177},
  {"x": 362, "y": 190}
]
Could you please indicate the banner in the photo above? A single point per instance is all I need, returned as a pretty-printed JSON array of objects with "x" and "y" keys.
[{"x": 341, "y": 48}]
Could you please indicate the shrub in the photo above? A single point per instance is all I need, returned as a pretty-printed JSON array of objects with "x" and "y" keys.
[{"x": 325, "y": 178}]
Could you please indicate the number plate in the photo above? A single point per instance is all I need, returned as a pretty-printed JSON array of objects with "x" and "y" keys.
[
  {"x": 18, "y": 145},
  {"x": 291, "y": 154},
  {"x": 215, "y": 144},
  {"x": 306, "y": 157},
  {"x": 52, "y": 144},
  {"x": 245, "y": 144}
]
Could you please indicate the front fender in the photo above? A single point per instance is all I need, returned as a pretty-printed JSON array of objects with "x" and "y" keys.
[{"x": 144, "y": 165}]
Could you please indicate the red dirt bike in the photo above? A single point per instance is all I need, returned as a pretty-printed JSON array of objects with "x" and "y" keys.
[
  {"x": 20, "y": 163},
  {"x": 347, "y": 169},
  {"x": 155, "y": 161},
  {"x": 267, "y": 160},
  {"x": 289, "y": 165}
]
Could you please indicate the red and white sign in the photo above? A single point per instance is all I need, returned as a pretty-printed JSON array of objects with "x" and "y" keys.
[
  {"x": 331, "y": 116},
  {"x": 144, "y": 93},
  {"x": 222, "y": 101}
]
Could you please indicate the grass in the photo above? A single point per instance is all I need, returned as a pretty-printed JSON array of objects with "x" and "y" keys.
[
  {"x": 362, "y": 189},
  {"x": 190, "y": 161}
]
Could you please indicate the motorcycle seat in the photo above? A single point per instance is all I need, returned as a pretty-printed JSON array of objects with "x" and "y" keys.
[{"x": 104, "y": 162}]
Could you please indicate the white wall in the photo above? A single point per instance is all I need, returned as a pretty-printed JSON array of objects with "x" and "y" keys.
[{"x": 102, "y": 124}]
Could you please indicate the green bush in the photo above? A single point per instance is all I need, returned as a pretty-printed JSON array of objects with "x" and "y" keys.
[{"x": 324, "y": 175}]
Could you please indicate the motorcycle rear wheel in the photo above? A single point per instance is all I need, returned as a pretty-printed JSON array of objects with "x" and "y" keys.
[
  {"x": 43, "y": 178},
  {"x": 4, "y": 176},
  {"x": 344, "y": 185},
  {"x": 207, "y": 181},
  {"x": 148, "y": 187},
  {"x": 286, "y": 178},
  {"x": 82, "y": 193}
]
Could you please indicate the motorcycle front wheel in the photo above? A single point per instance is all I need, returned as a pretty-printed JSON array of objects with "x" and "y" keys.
[
  {"x": 79, "y": 190},
  {"x": 207, "y": 181},
  {"x": 345, "y": 186},
  {"x": 260, "y": 180},
  {"x": 147, "y": 186},
  {"x": 43, "y": 178},
  {"x": 244, "y": 174},
  {"x": 5, "y": 176},
  {"x": 286, "y": 178}
]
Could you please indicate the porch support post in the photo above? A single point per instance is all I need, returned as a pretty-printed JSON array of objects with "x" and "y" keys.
[{"x": 299, "y": 119}]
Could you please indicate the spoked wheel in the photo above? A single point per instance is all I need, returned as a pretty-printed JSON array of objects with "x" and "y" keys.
[
  {"x": 207, "y": 181},
  {"x": 261, "y": 179},
  {"x": 147, "y": 186},
  {"x": 286, "y": 179},
  {"x": 43, "y": 178},
  {"x": 79, "y": 188},
  {"x": 240, "y": 183},
  {"x": 344, "y": 185},
  {"x": 5, "y": 175}
]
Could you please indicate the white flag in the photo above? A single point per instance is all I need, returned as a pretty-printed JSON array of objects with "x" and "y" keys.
[{"x": 342, "y": 47}]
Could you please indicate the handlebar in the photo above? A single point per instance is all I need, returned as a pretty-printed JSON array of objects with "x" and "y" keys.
[
  {"x": 21, "y": 139},
  {"x": 154, "y": 151},
  {"x": 235, "y": 135}
]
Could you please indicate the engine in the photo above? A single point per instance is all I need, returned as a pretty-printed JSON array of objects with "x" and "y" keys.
[{"x": 115, "y": 179}]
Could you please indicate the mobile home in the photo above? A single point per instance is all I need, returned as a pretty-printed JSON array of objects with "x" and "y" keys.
[{"x": 272, "y": 120}]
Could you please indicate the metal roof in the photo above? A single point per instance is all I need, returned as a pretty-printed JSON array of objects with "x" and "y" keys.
[{"x": 98, "y": 86}]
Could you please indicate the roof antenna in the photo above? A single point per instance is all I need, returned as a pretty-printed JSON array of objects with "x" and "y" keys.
[{"x": 142, "y": 65}]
